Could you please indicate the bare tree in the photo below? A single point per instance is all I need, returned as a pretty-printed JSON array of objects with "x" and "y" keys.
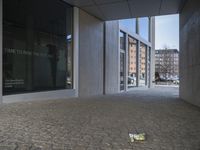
[{"x": 166, "y": 66}]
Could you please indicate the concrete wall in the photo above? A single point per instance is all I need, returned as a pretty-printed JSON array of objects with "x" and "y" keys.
[
  {"x": 38, "y": 96},
  {"x": 111, "y": 57},
  {"x": 91, "y": 48},
  {"x": 1, "y": 63},
  {"x": 190, "y": 52},
  {"x": 76, "y": 50}
]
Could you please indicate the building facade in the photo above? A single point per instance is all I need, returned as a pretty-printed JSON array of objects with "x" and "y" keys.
[
  {"x": 68, "y": 52},
  {"x": 167, "y": 63}
]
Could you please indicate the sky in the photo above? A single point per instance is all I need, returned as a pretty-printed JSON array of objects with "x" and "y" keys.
[{"x": 167, "y": 31}]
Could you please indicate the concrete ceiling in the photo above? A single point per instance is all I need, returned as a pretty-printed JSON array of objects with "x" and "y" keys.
[{"x": 123, "y": 9}]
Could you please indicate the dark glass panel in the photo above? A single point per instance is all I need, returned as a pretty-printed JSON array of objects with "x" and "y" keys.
[{"x": 37, "y": 46}]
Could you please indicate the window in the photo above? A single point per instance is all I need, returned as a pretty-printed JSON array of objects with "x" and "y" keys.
[
  {"x": 37, "y": 46},
  {"x": 129, "y": 24},
  {"x": 122, "y": 36},
  {"x": 144, "y": 27},
  {"x": 143, "y": 50},
  {"x": 132, "y": 50}
]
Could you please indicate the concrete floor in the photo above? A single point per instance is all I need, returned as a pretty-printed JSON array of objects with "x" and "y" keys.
[{"x": 102, "y": 123}]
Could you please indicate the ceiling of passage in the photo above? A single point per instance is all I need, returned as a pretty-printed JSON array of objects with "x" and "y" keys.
[{"x": 123, "y": 9}]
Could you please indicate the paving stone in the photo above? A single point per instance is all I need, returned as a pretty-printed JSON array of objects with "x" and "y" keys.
[{"x": 102, "y": 123}]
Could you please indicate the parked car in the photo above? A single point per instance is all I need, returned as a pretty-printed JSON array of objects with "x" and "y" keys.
[
  {"x": 131, "y": 80},
  {"x": 176, "y": 81}
]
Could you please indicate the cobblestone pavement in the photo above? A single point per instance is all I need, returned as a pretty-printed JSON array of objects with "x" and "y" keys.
[{"x": 102, "y": 123}]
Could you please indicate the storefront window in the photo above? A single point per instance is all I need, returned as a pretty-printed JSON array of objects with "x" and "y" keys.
[{"x": 37, "y": 46}]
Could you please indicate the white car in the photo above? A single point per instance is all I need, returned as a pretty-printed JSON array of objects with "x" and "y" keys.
[
  {"x": 176, "y": 81},
  {"x": 131, "y": 80}
]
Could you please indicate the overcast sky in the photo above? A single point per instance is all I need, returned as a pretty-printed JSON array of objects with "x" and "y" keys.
[{"x": 167, "y": 31}]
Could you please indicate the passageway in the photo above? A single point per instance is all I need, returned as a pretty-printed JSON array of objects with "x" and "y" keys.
[{"x": 102, "y": 122}]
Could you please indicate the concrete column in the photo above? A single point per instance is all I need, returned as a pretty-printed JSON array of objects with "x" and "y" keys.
[
  {"x": 111, "y": 57},
  {"x": 138, "y": 64},
  {"x": 190, "y": 52},
  {"x": 150, "y": 30},
  {"x": 152, "y": 53},
  {"x": 1, "y": 50},
  {"x": 137, "y": 26},
  {"x": 104, "y": 59},
  {"x": 126, "y": 63},
  {"x": 76, "y": 50},
  {"x": 91, "y": 50}
]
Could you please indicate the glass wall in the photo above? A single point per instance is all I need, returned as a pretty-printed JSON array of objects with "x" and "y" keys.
[
  {"x": 129, "y": 24},
  {"x": 122, "y": 37},
  {"x": 37, "y": 46},
  {"x": 144, "y": 28},
  {"x": 148, "y": 65},
  {"x": 143, "y": 50},
  {"x": 122, "y": 60},
  {"x": 132, "y": 62}
]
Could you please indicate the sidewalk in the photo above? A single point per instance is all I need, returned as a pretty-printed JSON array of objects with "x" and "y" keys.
[{"x": 102, "y": 123}]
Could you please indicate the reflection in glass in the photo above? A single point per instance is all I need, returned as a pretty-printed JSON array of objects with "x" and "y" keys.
[
  {"x": 129, "y": 24},
  {"x": 122, "y": 60},
  {"x": 37, "y": 46},
  {"x": 143, "y": 49},
  {"x": 148, "y": 65},
  {"x": 122, "y": 71},
  {"x": 144, "y": 27},
  {"x": 122, "y": 40},
  {"x": 132, "y": 57}
]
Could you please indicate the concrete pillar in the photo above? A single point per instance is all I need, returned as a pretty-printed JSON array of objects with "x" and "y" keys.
[
  {"x": 137, "y": 26},
  {"x": 111, "y": 57},
  {"x": 152, "y": 53},
  {"x": 150, "y": 30},
  {"x": 1, "y": 51},
  {"x": 91, "y": 50},
  {"x": 126, "y": 63},
  {"x": 190, "y": 52},
  {"x": 76, "y": 50}
]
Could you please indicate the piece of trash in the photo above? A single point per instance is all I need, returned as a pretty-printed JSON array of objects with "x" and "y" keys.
[
  {"x": 137, "y": 137},
  {"x": 131, "y": 137}
]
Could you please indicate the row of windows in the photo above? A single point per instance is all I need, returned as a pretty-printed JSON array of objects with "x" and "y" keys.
[{"x": 132, "y": 61}]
